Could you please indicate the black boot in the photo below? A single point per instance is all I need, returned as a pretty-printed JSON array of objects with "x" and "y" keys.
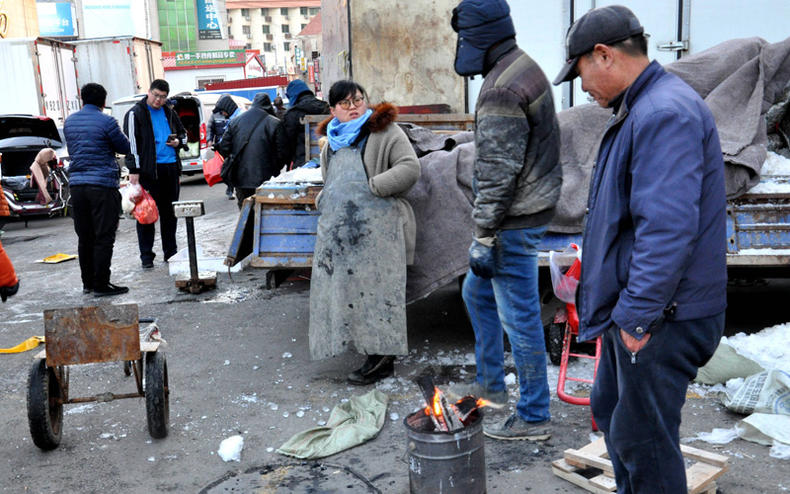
[
  {"x": 375, "y": 367},
  {"x": 8, "y": 291}
]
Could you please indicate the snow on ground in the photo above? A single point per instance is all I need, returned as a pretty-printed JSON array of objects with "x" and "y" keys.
[{"x": 770, "y": 347}]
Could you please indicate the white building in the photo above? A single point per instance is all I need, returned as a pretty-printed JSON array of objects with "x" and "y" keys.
[{"x": 271, "y": 26}]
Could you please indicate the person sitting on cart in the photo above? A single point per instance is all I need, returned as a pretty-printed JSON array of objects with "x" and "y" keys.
[{"x": 366, "y": 234}]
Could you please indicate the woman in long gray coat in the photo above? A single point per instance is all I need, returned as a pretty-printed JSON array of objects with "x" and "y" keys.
[{"x": 366, "y": 235}]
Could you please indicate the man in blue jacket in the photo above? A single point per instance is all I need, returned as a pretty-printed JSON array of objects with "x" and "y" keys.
[
  {"x": 93, "y": 138},
  {"x": 654, "y": 275},
  {"x": 156, "y": 133}
]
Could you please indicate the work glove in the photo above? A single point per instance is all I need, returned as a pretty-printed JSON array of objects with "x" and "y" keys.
[
  {"x": 8, "y": 291},
  {"x": 481, "y": 257}
]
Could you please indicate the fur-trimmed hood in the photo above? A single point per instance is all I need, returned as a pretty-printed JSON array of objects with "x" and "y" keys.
[{"x": 383, "y": 115}]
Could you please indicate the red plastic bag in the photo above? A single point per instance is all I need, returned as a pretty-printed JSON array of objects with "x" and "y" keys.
[
  {"x": 212, "y": 169},
  {"x": 145, "y": 210}
]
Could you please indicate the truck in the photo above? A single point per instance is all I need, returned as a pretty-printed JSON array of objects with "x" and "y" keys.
[
  {"x": 124, "y": 65},
  {"x": 40, "y": 78}
]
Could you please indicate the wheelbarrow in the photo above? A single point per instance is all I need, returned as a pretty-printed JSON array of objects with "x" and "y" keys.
[
  {"x": 564, "y": 330},
  {"x": 87, "y": 335}
]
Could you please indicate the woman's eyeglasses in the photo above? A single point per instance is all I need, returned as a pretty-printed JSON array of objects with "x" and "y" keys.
[{"x": 346, "y": 103}]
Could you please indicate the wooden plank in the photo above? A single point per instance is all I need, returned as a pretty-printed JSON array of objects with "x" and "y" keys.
[
  {"x": 579, "y": 459},
  {"x": 575, "y": 478},
  {"x": 596, "y": 448},
  {"x": 704, "y": 456},
  {"x": 604, "y": 482},
  {"x": 700, "y": 475}
]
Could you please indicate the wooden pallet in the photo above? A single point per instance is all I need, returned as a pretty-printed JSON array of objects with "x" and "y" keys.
[{"x": 590, "y": 468}]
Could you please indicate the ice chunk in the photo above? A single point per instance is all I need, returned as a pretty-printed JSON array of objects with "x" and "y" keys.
[
  {"x": 230, "y": 448},
  {"x": 510, "y": 379}
]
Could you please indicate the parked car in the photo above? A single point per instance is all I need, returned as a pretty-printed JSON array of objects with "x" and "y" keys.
[
  {"x": 194, "y": 109},
  {"x": 21, "y": 138}
]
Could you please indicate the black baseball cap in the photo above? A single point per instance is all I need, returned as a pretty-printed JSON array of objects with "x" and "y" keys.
[{"x": 605, "y": 25}]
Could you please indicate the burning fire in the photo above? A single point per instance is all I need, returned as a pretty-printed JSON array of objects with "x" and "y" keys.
[{"x": 451, "y": 416}]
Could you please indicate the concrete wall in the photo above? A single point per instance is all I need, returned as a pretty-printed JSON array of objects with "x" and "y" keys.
[{"x": 401, "y": 51}]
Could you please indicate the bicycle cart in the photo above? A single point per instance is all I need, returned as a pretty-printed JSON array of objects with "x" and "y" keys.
[{"x": 87, "y": 335}]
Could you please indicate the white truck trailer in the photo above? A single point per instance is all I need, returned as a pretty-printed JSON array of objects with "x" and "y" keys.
[
  {"x": 40, "y": 78},
  {"x": 123, "y": 65}
]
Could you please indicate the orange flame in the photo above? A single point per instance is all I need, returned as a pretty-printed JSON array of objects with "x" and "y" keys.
[
  {"x": 437, "y": 407},
  {"x": 482, "y": 403}
]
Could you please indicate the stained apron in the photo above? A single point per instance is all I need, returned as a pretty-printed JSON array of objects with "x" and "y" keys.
[{"x": 358, "y": 282}]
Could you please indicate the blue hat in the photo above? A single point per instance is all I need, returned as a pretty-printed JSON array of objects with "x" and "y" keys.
[
  {"x": 295, "y": 88},
  {"x": 480, "y": 24}
]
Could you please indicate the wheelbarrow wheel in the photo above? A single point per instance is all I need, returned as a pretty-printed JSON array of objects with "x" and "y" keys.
[
  {"x": 157, "y": 394},
  {"x": 556, "y": 334},
  {"x": 44, "y": 406}
]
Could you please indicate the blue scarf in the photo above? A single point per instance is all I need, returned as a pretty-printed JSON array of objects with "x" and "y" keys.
[{"x": 341, "y": 135}]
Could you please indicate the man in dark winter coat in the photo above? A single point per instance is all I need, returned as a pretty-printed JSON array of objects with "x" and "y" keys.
[
  {"x": 93, "y": 138},
  {"x": 302, "y": 102},
  {"x": 223, "y": 112},
  {"x": 517, "y": 179},
  {"x": 250, "y": 148},
  {"x": 654, "y": 274},
  {"x": 155, "y": 133}
]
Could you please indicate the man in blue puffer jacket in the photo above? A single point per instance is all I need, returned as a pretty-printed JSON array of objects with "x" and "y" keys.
[
  {"x": 93, "y": 138},
  {"x": 654, "y": 274}
]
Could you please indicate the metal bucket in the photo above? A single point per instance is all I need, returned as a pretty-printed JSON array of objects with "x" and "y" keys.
[{"x": 445, "y": 462}]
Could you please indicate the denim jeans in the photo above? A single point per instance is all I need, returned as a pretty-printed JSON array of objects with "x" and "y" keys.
[{"x": 509, "y": 301}]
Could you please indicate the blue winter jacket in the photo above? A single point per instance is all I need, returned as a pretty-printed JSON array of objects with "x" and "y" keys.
[
  {"x": 92, "y": 139},
  {"x": 654, "y": 242}
]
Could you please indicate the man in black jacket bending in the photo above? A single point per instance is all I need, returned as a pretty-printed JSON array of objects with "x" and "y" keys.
[
  {"x": 302, "y": 102},
  {"x": 155, "y": 133},
  {"x": 250, "y": 148}
]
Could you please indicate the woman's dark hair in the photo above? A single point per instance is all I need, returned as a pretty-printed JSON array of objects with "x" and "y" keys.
[
  {"x": 341, "y": 89},
  {"x": 93, "y": 94}
]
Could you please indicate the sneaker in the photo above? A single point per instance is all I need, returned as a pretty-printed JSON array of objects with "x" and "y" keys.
[
  {"x": 148, "y": 264},
  {"x": 375, "y": 367},
  {"x": 495, "y": 399},
  {"x": 514, "y": 428},
  {"x": 109, "y": 290}
]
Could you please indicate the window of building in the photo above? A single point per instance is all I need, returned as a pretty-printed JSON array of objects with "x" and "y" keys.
[
  {"x": 245, "y": 13},
  {"x": 286, "y": 28},
  {"x": 264, "y": 12},
  {"x": 287, "y": 46},
  {"x": 314, "y": 10},
  {"x": 245, "y": 30},
  {"x": 248, "y": 46},
  {"x": 265, "y": 29},
  {"x": 284, "y": 11},
  {"x": 268, "y": 47},
  {"x": 303, "y": 10},
  {"x": 304, "y": 26}
]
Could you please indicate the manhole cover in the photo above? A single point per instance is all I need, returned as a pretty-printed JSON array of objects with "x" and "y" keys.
[{"x": 296, "y": 478}]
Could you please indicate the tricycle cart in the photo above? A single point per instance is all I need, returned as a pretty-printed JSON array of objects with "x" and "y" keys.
[{"x": 86, "y": 335}]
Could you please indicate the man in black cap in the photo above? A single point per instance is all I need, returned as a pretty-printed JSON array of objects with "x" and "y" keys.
[
  {"x": 653, "y": 281},
  {"x": 517, "y": 181}
]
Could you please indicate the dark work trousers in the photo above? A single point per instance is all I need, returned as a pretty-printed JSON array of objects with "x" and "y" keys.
[
  {"x": 95, "y": 211},
  {"x": 636, "y": 401},
  {"x": 243, "y": 193},
  {"x": 165, "y": 190}
]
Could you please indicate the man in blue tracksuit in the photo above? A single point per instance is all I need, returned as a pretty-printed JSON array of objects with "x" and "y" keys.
[
  {"x": 155, "y": 134},
  {"x": 93, "y": 138},
  {"x": 654, "y": 275}
]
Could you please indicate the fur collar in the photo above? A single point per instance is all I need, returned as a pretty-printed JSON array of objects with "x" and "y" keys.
[{"x": 383, "y": 115}]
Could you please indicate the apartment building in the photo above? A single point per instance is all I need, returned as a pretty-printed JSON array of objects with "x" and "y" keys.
[{"x": 271, "y": 27}]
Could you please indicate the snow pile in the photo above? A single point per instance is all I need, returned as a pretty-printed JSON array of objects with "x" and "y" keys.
[
  {"x": 774, "y": 175},
  {"x": 230, "y": 448},
  {"x": 770, "y": 347}
]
